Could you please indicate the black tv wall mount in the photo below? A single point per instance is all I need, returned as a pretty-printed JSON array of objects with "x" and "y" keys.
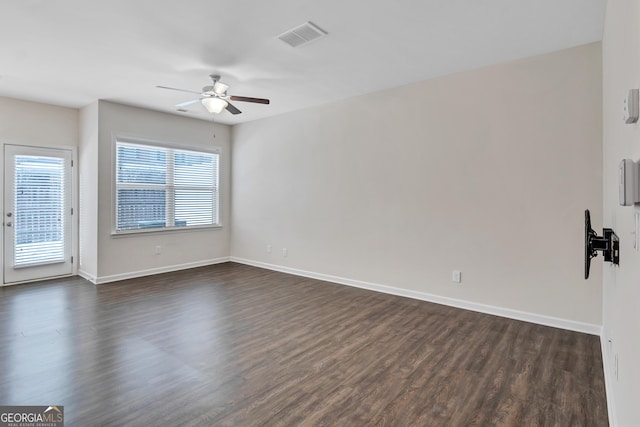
[{"x": 608, "y": 243}]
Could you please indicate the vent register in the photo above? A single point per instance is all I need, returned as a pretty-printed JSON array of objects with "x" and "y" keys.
[{"x": 302, "y": 34}]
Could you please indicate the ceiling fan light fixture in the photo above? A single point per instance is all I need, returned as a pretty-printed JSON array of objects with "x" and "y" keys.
[{"x": 214, "y": 105}]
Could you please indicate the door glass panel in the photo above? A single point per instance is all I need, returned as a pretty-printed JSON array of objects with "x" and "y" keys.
[{"x": 39, "y": 210}]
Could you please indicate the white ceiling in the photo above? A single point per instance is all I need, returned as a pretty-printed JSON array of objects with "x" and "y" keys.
[{"x": 74, "y": 52}]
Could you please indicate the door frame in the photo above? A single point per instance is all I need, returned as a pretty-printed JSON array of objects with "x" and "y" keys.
[{"x": 74, "y": 203}]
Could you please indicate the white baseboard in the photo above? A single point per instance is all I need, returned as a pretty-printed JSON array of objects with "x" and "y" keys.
[
  {"x": 90, "y": 277},
  {"x": 141, "y": 273},
  {"x": 608, "y": 379},
  {"x": 555, "y": 322}
]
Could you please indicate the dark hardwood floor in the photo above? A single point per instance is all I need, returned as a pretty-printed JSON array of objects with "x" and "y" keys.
[{"x": 233, "y": 345}]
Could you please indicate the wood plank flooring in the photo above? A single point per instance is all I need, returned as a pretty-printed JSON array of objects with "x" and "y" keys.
[{"x": 233, "y": 345}]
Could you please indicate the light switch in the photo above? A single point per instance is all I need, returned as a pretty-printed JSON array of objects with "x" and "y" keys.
[{"x": 628, "y": 182}]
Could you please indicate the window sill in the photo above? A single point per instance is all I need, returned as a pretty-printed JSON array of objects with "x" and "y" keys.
[{"x": 145, "y": 231}]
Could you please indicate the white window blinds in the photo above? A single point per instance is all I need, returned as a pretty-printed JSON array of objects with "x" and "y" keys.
[
  {"x": 40, "y": 208},
  {"x": 161, "y": 187}
]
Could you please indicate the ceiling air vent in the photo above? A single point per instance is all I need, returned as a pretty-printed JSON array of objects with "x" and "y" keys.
[{"x": 302, "y": 34}]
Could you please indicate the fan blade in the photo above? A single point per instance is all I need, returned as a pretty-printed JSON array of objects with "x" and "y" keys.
[
  {"x": 180, "y": 90},
  {"x": 184, "y": 104},
  {"x": 232, "y": 109},
  {"x": 248, "y": 99}
]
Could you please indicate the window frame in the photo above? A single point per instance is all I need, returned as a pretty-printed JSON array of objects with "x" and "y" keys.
[{"x": 119, "y": 138}]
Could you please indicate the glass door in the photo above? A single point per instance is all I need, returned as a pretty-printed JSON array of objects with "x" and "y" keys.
[{"x": 37, "y": 213}]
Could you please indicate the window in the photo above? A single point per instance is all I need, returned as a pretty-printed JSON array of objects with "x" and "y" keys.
[{"x": 160, "y": 187}]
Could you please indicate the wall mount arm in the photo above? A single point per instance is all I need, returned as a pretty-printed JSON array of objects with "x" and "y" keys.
[{"x": 608, "y": 244}]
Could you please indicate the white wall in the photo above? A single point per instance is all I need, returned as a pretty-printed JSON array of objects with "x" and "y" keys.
[
  {"x": 88, "y": 178},
  {"x": 32, "y": 123},
  {"x": 133, "y": 255},
  {"x": 621, "y": 72},
  {"x": 487, "y": 172}
]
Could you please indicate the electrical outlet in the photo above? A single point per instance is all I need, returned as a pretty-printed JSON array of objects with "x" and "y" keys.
[
  {"x": 269, "y": 249},
  {"x": 285, "y": 252},
  {"x": 158, "y": 249},
  {"x": 456, "y": 276}
]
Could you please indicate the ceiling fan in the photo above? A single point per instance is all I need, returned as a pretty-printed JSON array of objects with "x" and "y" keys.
[{"x": 215, "y": 97}]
